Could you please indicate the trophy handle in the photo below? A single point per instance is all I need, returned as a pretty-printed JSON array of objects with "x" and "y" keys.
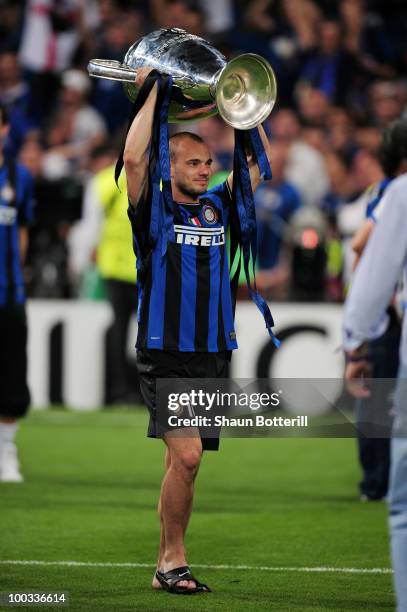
[{"x": 112, "y": 70}]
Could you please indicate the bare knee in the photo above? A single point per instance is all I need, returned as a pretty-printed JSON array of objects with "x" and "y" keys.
[{"x": 187, "y": 461}]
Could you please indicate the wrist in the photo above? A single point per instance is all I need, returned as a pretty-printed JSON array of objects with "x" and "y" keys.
[{"x": 361, "y": 353}]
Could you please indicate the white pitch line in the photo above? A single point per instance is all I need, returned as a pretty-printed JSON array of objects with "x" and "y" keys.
[{"x": 261, "y": 568}]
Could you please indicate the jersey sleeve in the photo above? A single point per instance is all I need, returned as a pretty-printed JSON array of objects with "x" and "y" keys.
[{"x": 25, "y": 189}]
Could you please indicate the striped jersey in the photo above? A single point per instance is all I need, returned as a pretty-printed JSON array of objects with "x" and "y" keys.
[
  {"x": 185, "y": 298},
  {"x": 16, "y": 209}
]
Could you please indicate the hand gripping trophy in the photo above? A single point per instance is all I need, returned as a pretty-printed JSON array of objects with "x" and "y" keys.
[{"x": 243, "y": 90}]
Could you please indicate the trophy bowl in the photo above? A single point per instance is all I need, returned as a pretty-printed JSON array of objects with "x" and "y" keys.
[{"x": 243, "y": 91}]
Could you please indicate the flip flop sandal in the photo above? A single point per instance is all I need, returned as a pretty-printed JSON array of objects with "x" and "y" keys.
[{"x": 169, "y": 580}]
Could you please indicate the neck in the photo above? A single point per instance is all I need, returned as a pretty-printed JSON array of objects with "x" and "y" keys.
[
  {"x": 1, "y": 158},
  {"x": 184, "y": 198}
]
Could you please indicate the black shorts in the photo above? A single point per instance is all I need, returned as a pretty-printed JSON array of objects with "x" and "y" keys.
[
  {"x": 153, "y": 364},
  {"x": 14, "y": 394}
]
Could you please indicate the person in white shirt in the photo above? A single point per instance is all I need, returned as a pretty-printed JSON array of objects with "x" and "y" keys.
[{"x": 383, "y": 262}]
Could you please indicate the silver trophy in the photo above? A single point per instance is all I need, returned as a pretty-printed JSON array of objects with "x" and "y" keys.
[{"x": 243, "y": 90}]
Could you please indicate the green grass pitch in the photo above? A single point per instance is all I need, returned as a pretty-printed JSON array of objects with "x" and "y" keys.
[{"x": 90, "y": 494}]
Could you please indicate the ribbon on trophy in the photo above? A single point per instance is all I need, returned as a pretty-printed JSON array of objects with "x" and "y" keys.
[{"x": 243, "y": 197}]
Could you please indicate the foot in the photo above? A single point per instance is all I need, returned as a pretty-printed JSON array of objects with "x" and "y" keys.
[
  {"x": 188, "y": 584},
  {"x": 9, "y": 466},
  {"x": 371, "y": 498},
  {"x": 181, "y": 584},
  {"x": 155, "y": 584}
]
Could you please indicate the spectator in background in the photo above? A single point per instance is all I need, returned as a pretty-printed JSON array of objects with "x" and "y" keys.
[
  {"x": 108, "y": 11},
  {"x": 15, "y": 96},
  {"x": 182, "y": 14},
  {"x": 387, "y": 101},
  {"x": 315, "y": 137},
  {"x": 313, "y": 106},
  {"x": 16, "y": 209},
  {"x": 104, "y": 229},
  {"x": 76, "y": 128},
  {"x": 340, "y": 133},
  {"x": 366, "y": 171},
  {"x": 58, "y": 204},
  {"x": 275, "y": 203},
  {"x": 367, "y": 137},
  {"x": 220, "y": 140},
  {"x": 281, "y": 32},
  {"x": 329, "y": 68},
  {"x": 303, "y": 16},
  {"x": 219, "y": 15},
  {"x": 11, "y": 18},
  {"x": 108, "y": 95},
  {"x": 305, "y": 167},
  {"x": 51, "y": 36},
  {"x": 365, "y": 36},
  {"x": 341, "y": 184}
]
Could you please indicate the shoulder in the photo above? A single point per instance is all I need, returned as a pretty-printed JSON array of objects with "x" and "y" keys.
[
  {"x": 396, "y": 192},
  {"x": 220, "y": 193},
  {"x": 398, "y": 186},
  {"x": 395, "y": 196},
  {"x": 375, "y": 196}
]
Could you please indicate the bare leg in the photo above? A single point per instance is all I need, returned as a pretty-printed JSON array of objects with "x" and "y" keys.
[
  {"x": 155, "y": 583},
  {"x": 176, "y": 499}
]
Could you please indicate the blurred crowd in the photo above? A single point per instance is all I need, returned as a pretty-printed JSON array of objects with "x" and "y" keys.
[{"x": 341, "y": 70}]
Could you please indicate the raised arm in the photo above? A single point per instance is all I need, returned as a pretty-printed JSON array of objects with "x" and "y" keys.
[
  {"x": 255, "y": 177},
  {"x": 138, "y": 139}
]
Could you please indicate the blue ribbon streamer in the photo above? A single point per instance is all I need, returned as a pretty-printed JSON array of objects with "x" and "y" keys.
[
  {"x": 243, "y": 196},
  {"x": 162, "y": 206}
]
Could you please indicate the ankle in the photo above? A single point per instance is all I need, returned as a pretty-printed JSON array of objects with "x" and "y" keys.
[
  {"x": 171, "y": 561},
  {"x": 8, "y": 432}
]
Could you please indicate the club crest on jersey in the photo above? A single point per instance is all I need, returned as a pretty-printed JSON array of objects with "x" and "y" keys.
[{"x": 209, "y": 214}]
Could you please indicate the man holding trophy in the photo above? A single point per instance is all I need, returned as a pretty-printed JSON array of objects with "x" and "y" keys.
[{"x": 186, "y": 296}]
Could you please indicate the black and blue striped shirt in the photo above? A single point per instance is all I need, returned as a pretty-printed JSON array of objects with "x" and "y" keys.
[
  {"x": 185, "y": 299},
  {"x": 16, "y": 210}
]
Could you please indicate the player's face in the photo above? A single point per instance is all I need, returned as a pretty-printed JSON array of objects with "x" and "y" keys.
[{"x": 191, "y": 168}]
